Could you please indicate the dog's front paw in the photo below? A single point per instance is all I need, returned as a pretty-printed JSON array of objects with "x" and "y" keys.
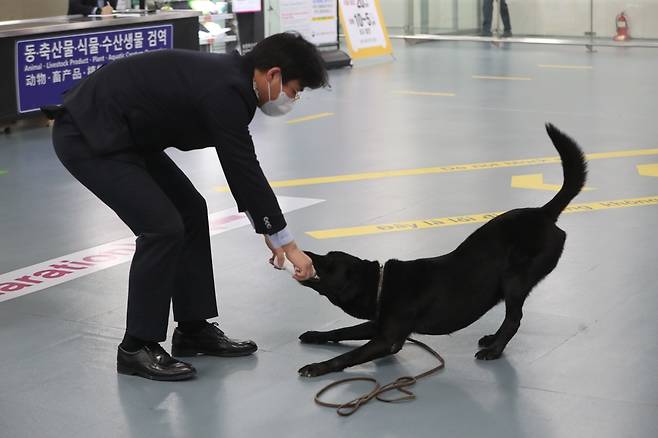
[
  {"x": 488, "y": 354},
  {"x": 314, "y": 370},
  {"x": 313, "y": 338},
  {"x": 487, "y": 341}
]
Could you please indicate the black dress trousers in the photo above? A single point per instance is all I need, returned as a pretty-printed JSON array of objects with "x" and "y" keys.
[{"x": 151, "y": 195}]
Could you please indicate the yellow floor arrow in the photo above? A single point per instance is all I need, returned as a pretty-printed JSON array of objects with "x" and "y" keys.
[
  {"x": 535, "y": 181},
  {"x": 648, "y": 169}
]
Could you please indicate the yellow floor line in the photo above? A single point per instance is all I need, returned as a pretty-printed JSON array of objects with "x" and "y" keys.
[
  {"x": 309, "y": 118},
  {"x": 424, "y": 93},
  {"x": 446, "y": 169},
  {"x": 567, "y": 67},
  {"x": 503, "y": 78},
  {"x": 423, "y": 224}
]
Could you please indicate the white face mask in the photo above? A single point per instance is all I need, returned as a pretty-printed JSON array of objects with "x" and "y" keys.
[{"x": 280, "y": 106}]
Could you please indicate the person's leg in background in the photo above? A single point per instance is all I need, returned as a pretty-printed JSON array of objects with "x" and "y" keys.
[
  {"x": 504, "y": 14},
  {"x": 487, "y": 14},
  {"x": 124, "y": 184}
]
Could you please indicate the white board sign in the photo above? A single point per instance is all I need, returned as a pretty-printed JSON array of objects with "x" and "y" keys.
[
  {"x": 365, "y": 31},
  {"x": 315, "y": 20},
  {"x": 241, "y": 6}
]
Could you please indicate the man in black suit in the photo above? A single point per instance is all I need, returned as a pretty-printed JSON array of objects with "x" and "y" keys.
[
  {"x": 111, "y": 134},
  {"x": 91, "y": 7}
]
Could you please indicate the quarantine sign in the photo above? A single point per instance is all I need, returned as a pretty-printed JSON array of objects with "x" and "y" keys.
[{"x": 365, "y": 32}]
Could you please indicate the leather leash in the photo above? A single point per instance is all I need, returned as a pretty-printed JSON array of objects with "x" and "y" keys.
[{"x": 401, "y": 384}]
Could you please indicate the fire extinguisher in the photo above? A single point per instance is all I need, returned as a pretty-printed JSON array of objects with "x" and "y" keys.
[{"x": 622, "y": 28}]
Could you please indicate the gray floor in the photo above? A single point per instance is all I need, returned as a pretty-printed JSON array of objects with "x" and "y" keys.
[{"x": 582, "y": 364}]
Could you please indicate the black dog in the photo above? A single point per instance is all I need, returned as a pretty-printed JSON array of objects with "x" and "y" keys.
[{"x": 501, "y": 261}]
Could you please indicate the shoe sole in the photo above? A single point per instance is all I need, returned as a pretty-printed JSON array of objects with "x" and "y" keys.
[
  {"x": 193, "y": 353},
  {"x": 177, "y": 378}
]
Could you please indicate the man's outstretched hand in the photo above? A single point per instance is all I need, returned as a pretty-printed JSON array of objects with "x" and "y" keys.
[{"x": 302, "y": 263}]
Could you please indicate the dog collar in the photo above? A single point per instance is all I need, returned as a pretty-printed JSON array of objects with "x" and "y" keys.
[{"x": 380, "y": 284}]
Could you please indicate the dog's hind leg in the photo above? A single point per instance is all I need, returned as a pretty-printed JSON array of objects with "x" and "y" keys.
[
  {"x": 516, "y": 286},
  {"x": 515, "y": 292},
  {"x": 366, "y": 330}
]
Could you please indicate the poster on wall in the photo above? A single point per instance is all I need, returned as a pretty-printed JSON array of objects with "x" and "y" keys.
[
  {"x": 324, "y": 25},
  {"x": 365, "y": 32},
  {"x": 316, "y": 20},
  {"x": 47, "y": 67},
  {"x": 243, "y": 6}
]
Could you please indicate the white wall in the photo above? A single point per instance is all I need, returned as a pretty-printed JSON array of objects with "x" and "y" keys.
[
  {"x": 536, "y": 17},
  {"x": 395, "y": 13},
  {"x": 572, "y": 17},
  {"x": 441, "y": 13}
]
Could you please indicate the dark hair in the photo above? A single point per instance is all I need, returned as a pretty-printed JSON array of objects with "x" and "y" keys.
[{"x": 297, "y": 58}]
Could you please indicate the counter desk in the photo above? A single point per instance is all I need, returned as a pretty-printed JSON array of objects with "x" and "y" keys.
[{"x": 42, "y": 58}]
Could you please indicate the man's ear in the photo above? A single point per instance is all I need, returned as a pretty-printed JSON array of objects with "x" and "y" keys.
[{"x": 272, "y": 73}]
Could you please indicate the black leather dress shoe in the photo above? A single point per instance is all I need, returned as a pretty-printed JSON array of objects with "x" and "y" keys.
[
  {"x": 153, "y": 362},
  {"x": 210, "y": 341}
]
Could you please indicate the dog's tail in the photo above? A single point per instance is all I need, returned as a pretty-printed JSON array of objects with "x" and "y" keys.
[{"x": 574, "y": 167}]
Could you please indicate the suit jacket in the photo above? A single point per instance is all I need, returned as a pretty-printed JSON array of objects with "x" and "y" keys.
[
  {"x": 85, "y": 7},
  {"x": 182, "y": 99}
]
